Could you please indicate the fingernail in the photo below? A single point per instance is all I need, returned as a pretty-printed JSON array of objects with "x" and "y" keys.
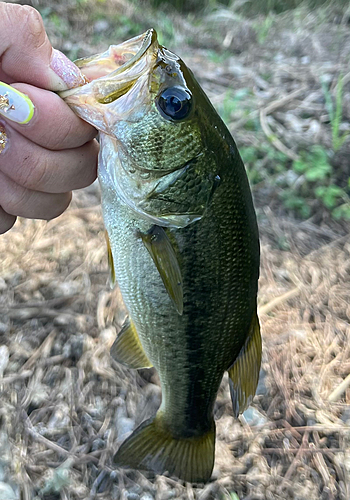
[
  {"x": 14, "y": 105},
  {"x": 69, "y": 75},
  {"x": 3, "y": 138}
]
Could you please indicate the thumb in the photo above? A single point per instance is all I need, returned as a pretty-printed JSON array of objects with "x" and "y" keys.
[{"x": 26, "y": 53}]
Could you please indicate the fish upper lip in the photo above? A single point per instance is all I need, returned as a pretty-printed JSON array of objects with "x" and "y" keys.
[
  {"x": 150, "y": 36},
  {"x": 129, "y": 72}
]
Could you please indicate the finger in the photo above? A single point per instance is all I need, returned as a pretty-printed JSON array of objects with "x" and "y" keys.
[
  {"x": 39, "y": 169},
  {"x": 18, "y": 201},
  {"x": 6, "y": 221},
  {"x": 53, "y": 124},
  {"x": 4, "y": 77},
  {"x": 27, "y": 54}
]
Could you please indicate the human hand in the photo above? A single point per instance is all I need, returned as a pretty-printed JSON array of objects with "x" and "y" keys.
[{"x": 45, "y": 149}]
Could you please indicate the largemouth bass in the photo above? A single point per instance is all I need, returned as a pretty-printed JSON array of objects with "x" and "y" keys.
[{"x": 183, "y": 246}]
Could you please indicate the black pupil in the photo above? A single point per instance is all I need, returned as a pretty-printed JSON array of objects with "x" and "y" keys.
[{"x": 175, "y": 103}]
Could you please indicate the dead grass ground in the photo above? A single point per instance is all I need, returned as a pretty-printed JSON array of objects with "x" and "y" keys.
[{"x": 65, "y": 405}]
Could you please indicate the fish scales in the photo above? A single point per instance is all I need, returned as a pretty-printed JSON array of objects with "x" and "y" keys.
[{"x": 183, "y": 247}]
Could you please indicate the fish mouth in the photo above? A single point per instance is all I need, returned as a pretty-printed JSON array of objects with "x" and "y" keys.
[
  {"x": 118, "y": 58},
  {"x": 112, "y": 73}
]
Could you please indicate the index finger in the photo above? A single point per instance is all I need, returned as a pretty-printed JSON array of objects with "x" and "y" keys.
[
  {"x": 53, "y": 125},
  {"x": 27, "y": 55}
]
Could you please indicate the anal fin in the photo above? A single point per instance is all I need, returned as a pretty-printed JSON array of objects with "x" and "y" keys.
[
  {"x": 127, "y": 348},
  {"x": 244, "y": 372}
]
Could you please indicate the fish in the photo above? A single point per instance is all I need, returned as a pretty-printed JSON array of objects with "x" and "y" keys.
[{"x": 183, "y": 247}]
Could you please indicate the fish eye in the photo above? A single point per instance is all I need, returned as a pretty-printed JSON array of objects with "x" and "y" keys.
[{"x": 175, "y": 103}]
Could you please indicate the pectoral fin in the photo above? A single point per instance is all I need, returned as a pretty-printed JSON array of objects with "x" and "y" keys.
[
  {"x": 127, "y": 348},
  {"x": 162, "y": 252},
  {"x": 112, "y": 279},
  {"x": 244, "y": 373}
]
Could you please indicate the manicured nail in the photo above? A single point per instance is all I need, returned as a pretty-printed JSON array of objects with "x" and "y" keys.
[
  {"x": 69, "y": 75},
  {"x": 14, "y": 105},
  {"x": 3, "y": 138}
]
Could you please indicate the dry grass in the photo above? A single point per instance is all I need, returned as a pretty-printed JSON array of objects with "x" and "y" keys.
[{"x": 65, "y": 404}]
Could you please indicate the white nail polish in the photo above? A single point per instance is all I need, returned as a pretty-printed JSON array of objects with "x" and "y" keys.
[{"x": 14, "y": 105}]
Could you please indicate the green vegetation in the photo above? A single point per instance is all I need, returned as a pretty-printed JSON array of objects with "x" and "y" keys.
[
  {"x": 302, "y": 185},
  {"x": 318, "y": 176},
  {"x": 233, "y": 496},
  {"x": 247, "y": 7},
  {"x": 305, "y": 186},
  {"x": 263, "y": 27},
  {"x": 233, "y": 103},
  {"x": 252, "y": 7},
  {"x": 188, "y": 5},
  {"x": 264, "y": 164},
  {"x": 335, "y": 111}
]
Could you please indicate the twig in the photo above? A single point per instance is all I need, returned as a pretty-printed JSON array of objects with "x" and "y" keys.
[
  {"x": 55, "y": 447},
  {"x": 17, "y": 376},
  {"x": 274, "y": 140},
  {"x": 338, "y": 391},
  {"x": 268, "y": 132},
  {"x": 53, "y": 360},
  {"x": 47, "y": 304},
  {"x": 42, "y": 439},
  {"x": 321, "y": 464},
  {"x": 270, "y": 108},
  {"x": 273, "y": 106},
  {"x": 266, "y": 308},
  {"x": 285, "y": 451},
  {"x": 25, "y": 314},
  {"x": 42, "y": 350},
  {"x": 303, "y": 447},
  {"x": 316, "y": 427},
  {"x": 101, "y": 306},
  {"x": 294, "y": 432}
]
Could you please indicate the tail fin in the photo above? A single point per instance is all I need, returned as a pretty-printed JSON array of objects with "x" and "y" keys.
[{"x": 151, "y": 447}]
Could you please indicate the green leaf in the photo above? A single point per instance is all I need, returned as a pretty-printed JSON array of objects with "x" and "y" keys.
[
  {"x": 296, "y": 203},
  {"x": 234, "y": 496},
  {"x": 318, "y": 172},
  {"x": 320, "y": 191},
  {"x": 329, "y": 195},
  {"x": 342, "y": 212},
  {"x": 300, "y": 166}
]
